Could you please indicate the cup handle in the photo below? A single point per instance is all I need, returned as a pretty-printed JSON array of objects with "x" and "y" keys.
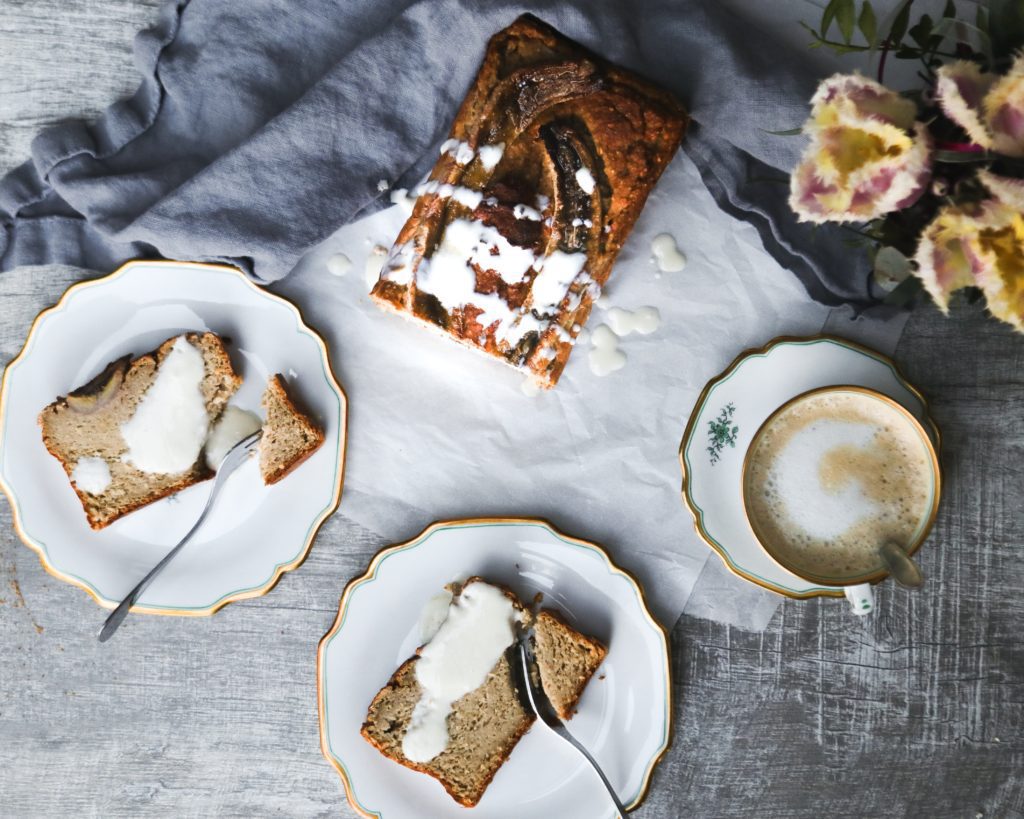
[{"x": 862, "y": 599}]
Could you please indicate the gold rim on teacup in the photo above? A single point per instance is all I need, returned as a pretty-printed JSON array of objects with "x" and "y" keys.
[{"x": 877, "y": 575}]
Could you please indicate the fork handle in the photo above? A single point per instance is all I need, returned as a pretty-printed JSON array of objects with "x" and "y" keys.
[
  {"x": 563, "y": 732},
  {"x": 116, "y": 617}
]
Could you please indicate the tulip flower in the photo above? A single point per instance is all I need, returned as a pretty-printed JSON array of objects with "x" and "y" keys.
[
  {"x": 867, "y": 156},
  {"x": 988, "y": 107},
  {"x": 982, "y": 245}
]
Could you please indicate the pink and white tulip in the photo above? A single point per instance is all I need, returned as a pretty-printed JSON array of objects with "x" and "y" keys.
[
  {"x": 867, "y": 157},
  {"x": 982, "y": 245},
  {"x": 988, "y": 107}
]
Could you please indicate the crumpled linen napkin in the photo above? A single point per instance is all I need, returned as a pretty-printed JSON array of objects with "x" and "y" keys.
[{"x": 260, "y": 128}]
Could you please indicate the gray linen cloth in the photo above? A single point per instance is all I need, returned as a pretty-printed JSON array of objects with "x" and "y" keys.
[{"x": 259, "y": 128}]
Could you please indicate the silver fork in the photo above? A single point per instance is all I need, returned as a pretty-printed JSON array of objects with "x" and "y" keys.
[
  {"x": 534, "y": 699},
  {"x": 234, "y": 458}
]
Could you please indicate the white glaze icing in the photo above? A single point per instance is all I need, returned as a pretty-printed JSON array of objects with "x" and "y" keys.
[
  {"x": 557, "y": 272},
  {"x": 477, "y": 630},
  {"x": 169, "y": 426},
  {"x": 374, "y": 263},
  {"x": 643, "y": 320},
  {"x": 405, "y": 200},
  {"x": 464, "y": 196},
  {"x": 490, "y": 155},
  {"x": 91, "y": 475},
  {"x": 434, "y": 613},
  {"x": 605, "y": 356},
  {"x": 460, "y": 150},
  {"x": 233, "y": 425},
  {"x": 339, "y": 264},
  {"x": 585, "y": 179},
  {"x": 667, "y": 254},
  {"x": 398, "y": 266},
  {"x": 526, "y": 212}
]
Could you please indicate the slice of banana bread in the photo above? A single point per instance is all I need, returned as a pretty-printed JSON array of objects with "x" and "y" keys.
[
  {"x": 85, "y": 430},
  {"x": 289, "y": 435},
  {"x": 485, "y": 724},
  {"x": 566, "y": 660}
]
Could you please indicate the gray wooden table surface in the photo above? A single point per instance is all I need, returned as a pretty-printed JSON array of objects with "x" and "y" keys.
[{"x": 917, "y": 711}]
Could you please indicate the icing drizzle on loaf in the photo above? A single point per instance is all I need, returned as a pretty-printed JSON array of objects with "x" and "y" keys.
[{"x": 546, "y": 168}]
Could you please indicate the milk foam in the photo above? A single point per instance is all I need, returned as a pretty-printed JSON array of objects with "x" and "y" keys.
[
  {"x": 795, "y": 482},
  {"x": 832, "y": 478}
]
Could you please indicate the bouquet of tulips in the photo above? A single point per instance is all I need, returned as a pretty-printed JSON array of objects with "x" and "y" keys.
[{"x": 933, "y": 176}]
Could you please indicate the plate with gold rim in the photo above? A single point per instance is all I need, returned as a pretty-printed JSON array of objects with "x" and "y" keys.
[
  {"x": 732, "y": 407},
  {"x": 254, "y": 533},
  {"x": 623, "y": 717}
]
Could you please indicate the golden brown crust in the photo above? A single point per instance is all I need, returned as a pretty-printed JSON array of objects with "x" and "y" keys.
[
  {"x": 398, "y": 679},
  {"x": 140, "y": 370},
  {"x": 276, "y": 386},
  {"x": 557, "y": 108},
  {"x": 466, "y": 800},
  {"x": 403, "y": 681},
  {"x": 597, "y": 649}
]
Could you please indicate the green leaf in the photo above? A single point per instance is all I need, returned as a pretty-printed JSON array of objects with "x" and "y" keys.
[
  {"x": 868, "y": 24},
  {"x": 981, "y": 19},
  {"x": 944, "y": 27},
  {"x": 1005, "y": 28},
  {"x": 891, "y": 267},
  {"x": 846, "y": 14},
  {"x": 905, "y": 292},
  {"x": 962, "y": 157},
  {"x": 828, "y": 15},
  {"x": 922, "y": 31},
  {"x": 899, "y": 25},
  {"x": 788, "y": 132},
  {"x": 816, "y": 42},
  {"x": 950, "y": 10},
  {"x": 983, "y": 41}
]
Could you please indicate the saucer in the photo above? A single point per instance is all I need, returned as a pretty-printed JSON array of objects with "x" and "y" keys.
[
  {"x": 255, "y": 533},
  {"x": 730, "y": 410},
  {"x": 623, "y": 718}
]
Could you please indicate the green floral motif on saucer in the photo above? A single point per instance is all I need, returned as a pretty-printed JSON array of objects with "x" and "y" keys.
[{"x": 721, "y": 431}]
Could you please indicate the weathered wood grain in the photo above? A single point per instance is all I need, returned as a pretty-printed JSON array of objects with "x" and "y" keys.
[
  {"x": 62, "y": 60},
  {"x": 916, "y": 712}
]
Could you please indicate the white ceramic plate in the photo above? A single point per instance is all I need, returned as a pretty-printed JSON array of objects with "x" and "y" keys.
[
  {"x": 730, "y": 410},
  {"x": 255, "y": 532},
  {"x": 624, "y": 716}
]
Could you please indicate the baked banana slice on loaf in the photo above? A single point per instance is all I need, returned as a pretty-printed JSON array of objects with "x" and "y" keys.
[
  {"x": 463, "y": 743},
  {"x": 547, "y": 166}
]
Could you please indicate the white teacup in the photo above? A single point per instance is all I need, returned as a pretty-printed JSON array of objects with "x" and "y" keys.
[{"x": 833, "y": 474}]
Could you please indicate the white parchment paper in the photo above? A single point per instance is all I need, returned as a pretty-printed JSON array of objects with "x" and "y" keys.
[{"x": 438, "y": 432}]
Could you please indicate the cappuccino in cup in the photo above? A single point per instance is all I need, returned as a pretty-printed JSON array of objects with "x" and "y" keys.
[{"x": 834, "y": 474}]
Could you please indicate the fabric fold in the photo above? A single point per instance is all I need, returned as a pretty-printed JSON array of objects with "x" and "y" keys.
[{"x": 255, "y": 133}]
